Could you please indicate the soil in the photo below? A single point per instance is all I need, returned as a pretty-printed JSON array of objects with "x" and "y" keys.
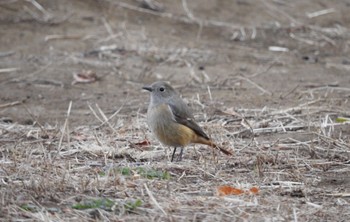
[{"x": 218, "y": 54}]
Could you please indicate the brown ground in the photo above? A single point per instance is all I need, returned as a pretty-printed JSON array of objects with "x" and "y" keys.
[{"x": 216, "y": 53}]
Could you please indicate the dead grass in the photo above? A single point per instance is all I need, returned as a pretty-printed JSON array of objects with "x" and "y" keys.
[{"x": 56, "y": 173}]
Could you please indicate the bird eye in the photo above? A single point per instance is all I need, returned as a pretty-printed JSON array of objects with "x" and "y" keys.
[{"x": 161, "y": 89}]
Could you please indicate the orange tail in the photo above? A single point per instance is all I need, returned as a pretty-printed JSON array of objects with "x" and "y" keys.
[
  {"x": 211, "y": 144},
  {"x": 221, "y": 149}
]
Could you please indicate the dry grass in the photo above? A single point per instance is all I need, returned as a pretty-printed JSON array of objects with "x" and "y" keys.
[{"x": 49, "y": 171}]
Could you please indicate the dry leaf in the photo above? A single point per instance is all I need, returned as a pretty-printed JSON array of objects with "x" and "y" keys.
[
  {"x": 86, "y": 76},
  {"x": 254, "y": 190},
  {"x": 143, "y": 143},
  {"x": 228, "y": 190}
]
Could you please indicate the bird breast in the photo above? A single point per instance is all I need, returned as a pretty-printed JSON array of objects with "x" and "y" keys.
[{"x": 163, "y": 125}]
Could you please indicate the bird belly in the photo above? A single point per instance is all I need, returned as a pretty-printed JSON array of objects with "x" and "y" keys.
[{"x": 166, "y": 129}]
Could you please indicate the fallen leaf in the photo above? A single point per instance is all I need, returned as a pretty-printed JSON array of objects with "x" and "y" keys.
[
  {"x": 342, "y": 119},
  {"x": 86, "y": 76},
  {"x": 228, "y": 190},
  {"x": 143, "y": 143},
  {"x": 254, "y": 190}
]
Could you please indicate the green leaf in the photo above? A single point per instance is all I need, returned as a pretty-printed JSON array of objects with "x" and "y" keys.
[
  {"x": 144, "y": 172},
  {"x": 102, "y": 174},
  {"x": 29, "y": 207},
  {"x": 342, "y": 119},
  {"x": 131, "y": 206},
  {"x": 104, "y": 203},
  {"x": 125, "y": 171}
]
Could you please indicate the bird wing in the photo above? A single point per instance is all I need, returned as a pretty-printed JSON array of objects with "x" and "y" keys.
[{"x": 184, "y": 117}]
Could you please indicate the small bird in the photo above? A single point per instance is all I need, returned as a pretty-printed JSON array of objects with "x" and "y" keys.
[{"x": 171, "y": 120}]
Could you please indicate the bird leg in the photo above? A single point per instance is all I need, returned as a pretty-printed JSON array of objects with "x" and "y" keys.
[
  {"x": 172, "y": 158},
  {"x": 180, "y": 156}
]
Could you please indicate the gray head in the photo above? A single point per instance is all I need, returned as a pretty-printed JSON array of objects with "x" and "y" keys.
[{"x": 161, "y": 92}]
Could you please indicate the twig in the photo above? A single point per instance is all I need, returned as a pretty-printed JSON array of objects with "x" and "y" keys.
[
  {"x": 329, "y": 87},
  {"x": 188, "y": 12},
  {"x": 193, "y": 73},
  {"x": 282, "y": 96},
  {"x": 41, "y": 9},
  {"x": 154, "y": 199},
  {"x": 56, "y": 37},
  {"x": 10, "y": 104},
  {"x": 209, "y": 92},
  {"x": 278, "y": 129},
  {"x": 95, "y": 114},
  {"x": 307, "y": 41},
  {"x": 8, "y": 70},
  {"x": 107, "y": 26},
  {"x": 65, "y": 128},
  {"x": 267, "y": 68},
  {"x": 295, "y": 215},
  {"x": 321, "y": 12},
  {"x": 281, "y": 12},
  {"x": 106, "y": 120},
  {"x": 255, "y": 84},
  {"x": 113, "y": 115},
  {"x": 339, "y": 195}
]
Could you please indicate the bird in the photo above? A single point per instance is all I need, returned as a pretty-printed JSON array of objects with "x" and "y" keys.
[{"x": 171, "y": 120}]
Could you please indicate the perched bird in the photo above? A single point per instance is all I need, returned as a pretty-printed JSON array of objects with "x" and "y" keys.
[{"x": 171, "y": 120}]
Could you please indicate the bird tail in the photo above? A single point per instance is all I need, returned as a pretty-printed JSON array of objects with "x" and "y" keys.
[
  {"x": 227, "y": 152},
  {"x": 213, "y": 145}
]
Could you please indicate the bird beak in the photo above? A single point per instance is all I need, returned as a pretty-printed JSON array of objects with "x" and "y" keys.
[{"x": 148, "y": 88}]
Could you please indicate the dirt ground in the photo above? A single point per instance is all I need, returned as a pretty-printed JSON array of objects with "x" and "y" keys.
[{"x": 268, "y": 79}]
